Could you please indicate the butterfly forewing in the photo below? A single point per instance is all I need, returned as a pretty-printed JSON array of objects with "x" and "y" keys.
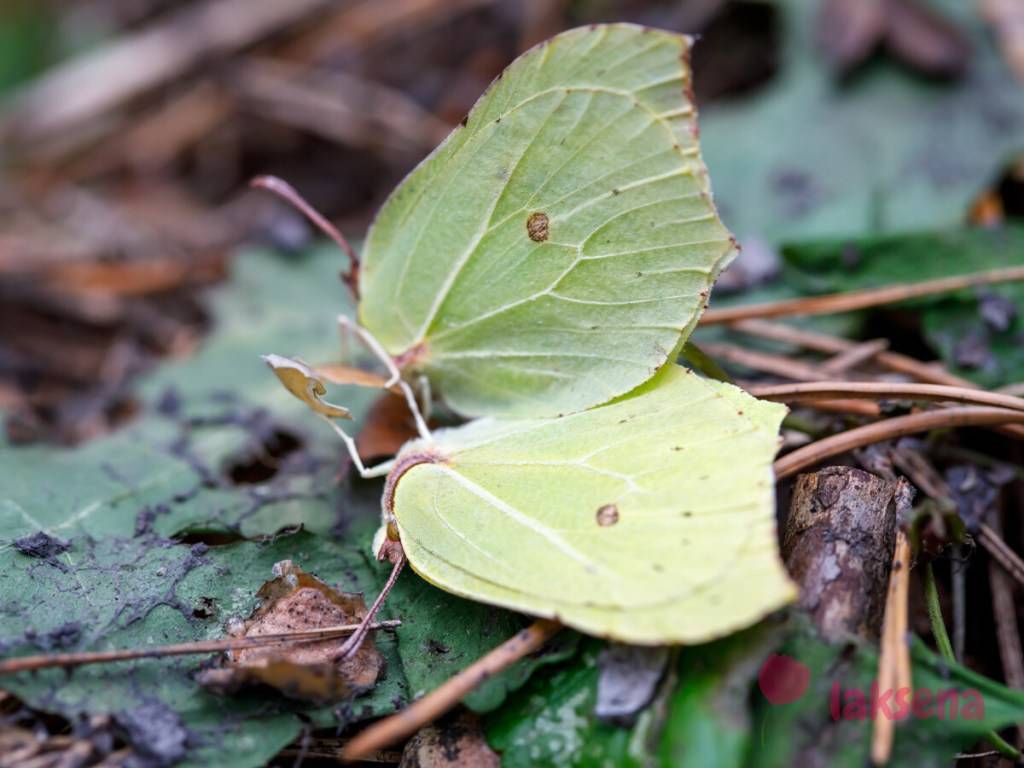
[{"x": 554, "y": 252}]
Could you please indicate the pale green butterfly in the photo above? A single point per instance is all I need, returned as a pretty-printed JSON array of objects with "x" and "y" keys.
[
  {"x": 555, "y": 250},
  {"x": 552, "y": 255}
]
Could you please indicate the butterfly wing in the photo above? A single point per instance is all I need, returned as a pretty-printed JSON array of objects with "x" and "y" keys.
[
  {"x": 648, "y": 520},
  {"x": 556, "y": 249}
]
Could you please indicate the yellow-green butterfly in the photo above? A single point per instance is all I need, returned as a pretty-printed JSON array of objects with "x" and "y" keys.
[{"x": 551, "y": 257}]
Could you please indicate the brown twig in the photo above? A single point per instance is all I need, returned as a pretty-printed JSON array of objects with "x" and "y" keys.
[
  {"x": 1001, "y": 552},
  {"x": 67, "y": 660},
  {"x": 931, "y": 373},
  {"x": 854, "y": 357},
  {"x": 894, "y": 659},
  {"x": 842, "y": 522},
  {"x": 1004, "y": 610},
  {"x": 900, "y": 426},
  {"x": 286, "y": 191},
  {"x": 853, "y": 300},
  {"x": 446, "y": 696},
  {"x": 66, "y": 99},
  {"x": 829, "y": 390},
  {"x": 337, "y": 106},
  {"x": 763, "y": 362}
]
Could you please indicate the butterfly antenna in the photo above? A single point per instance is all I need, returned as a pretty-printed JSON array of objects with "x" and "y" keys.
[
  {"x": 286, "y": 191},
  {"x": 394, "y": 375},
  {"x": 392, "y": 551}
]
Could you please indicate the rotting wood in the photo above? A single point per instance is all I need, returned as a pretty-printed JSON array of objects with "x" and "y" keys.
[{"x": 837, "y": 545}]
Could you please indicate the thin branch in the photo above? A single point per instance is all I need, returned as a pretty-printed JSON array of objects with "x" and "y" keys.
[
  {"x": 763, "y": 362},
  {"x": 286, "y": 191},
  {"x": 894, "y": 671},
  {"x": 1001, "y": 552},
  {"x": 854, "y": 357},
  {"x": 931, "y": 373},
  {"x": 829, "y": 390},
  {"x": 400, "y": 726},
  {"x": 900, "y": 426},
  {"x": 853, "y": 300},
  {"x": 67, "y": 660},
  {"x": 1004, "y": 611}
]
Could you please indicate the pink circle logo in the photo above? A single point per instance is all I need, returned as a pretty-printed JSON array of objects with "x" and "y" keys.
[{"x": 783, "y": 679}]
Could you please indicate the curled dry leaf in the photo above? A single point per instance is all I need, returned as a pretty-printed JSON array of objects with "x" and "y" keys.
[
  {"x": 296, "y": 600},
  {"x": 454, "y": 742},
  {"x": 303, "y": 382}
]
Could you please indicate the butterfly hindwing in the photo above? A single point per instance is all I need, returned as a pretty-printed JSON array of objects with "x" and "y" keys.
[{"x": 649, "y": 520}]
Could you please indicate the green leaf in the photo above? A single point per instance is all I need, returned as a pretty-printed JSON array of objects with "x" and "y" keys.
[
  {"x": 709, "y": 721},
  {"x": 130, "y": 593},
  {"x": 811, "y": 156},
  {"x": 555, "y": 251},
  {"x": 605, "y": 519},
  {"x": 27, "y": 37},
  {"x": 112, "y": 569},
  {"x": 442, "y": 633},
  {"x": 551, "y": 722}
]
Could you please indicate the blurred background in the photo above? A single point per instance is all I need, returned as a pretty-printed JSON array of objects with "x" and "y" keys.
[{"x": 129, "y": 130}]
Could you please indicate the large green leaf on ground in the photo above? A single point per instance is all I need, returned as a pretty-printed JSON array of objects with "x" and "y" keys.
[
  {"x": 103, "y": 545},
  {"x": 554, "y": 251},
  {"x": 887, "y": 151},
  {"x": 130, "y": 593}
]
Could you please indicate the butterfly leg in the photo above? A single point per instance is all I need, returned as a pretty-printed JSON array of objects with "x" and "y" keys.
[
  {"x": 426, "y": 396},
  {"x": 366, "y": 473},
  {"x": 395, "y": 376},
  {"x": 393, "y": 552}
]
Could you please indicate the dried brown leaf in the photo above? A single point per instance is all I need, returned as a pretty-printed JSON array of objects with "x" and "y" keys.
[{"x": 293, "y": 601}]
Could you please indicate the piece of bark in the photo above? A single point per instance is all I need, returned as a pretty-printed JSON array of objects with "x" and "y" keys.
[
  {"x": 838, "y": 546},
  {"x": 456, "y": 741}
]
